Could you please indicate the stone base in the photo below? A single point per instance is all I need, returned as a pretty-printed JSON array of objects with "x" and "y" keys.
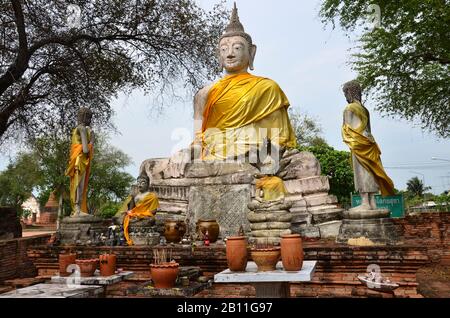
[
  {"x": 80, "y": 230},
  {"x": 367, "y": 214},
  {"x": 378, "y": 231}
]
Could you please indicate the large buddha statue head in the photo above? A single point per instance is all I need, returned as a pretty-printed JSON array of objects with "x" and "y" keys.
[{"x": 236, "y": 50}]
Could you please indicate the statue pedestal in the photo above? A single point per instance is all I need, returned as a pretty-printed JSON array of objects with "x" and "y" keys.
[
  {"x": 374, "y": 225},
  {"x": 81, "y": 229}
]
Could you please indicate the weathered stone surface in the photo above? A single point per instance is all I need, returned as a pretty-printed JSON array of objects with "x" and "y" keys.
[
  {"x": 265, "y": 240},
  {"x": 329, "y": 229},
  {"x": 217, "y": 168},
  {"x": 269, "y": 217},
  {"x": 80, "y": 229},
  {"x": 320, "y": 199},
  {"x": 171, "y": 192},
  {"x": 299, "y": 209},
  {"x": 231, "y": 179},
  {"x": 308, "y": 231},
  {"x": 270, "y": 233},
  {"x": 367, "y": 214},
  {"x": 266, "y": 206},
  {"x": 302, "y": 165},
  {"x": 270, "y": 226},
  {"x": 154, "y": 168},
  {"x": 379, "y": 231},
  {"x": 56, "y": 291},
  {"x": 327, "y": 215},
  {"x": 172, "y": 206},
  {"x": 323, "y": 208},
  {"x": 308, "y": 185},
  {"x": 300, "y": 218},
  {"x": 227, "y": 204}
]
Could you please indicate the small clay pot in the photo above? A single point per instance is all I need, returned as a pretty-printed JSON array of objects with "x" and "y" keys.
[
  {"x": 164, "y": 275},
  {"x": 266, "y": 258},
  {"x": 208, "y": 225},
  {"x": 107, "y": 264},
  {"x": 237, "y": 253},
  {"x": 292, "y": 252},
  {"x": 87, "y": 266},
  {"x": 64, "y": 261},
  {"x": 174, "y": 230}
]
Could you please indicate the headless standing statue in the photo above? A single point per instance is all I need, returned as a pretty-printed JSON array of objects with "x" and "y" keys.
[
  {"x": 369, "y": 175},
  {"x": 81, "y": 153}
]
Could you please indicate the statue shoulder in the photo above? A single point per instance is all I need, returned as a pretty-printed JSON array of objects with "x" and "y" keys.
[{"x": 203, "y": 92}]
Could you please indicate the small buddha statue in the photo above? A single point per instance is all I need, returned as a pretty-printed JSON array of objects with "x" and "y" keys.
[
  {"x": 369, "y": 175},
  {"x": 79, "y": 167},
  {"x": 141, "y": 205}
]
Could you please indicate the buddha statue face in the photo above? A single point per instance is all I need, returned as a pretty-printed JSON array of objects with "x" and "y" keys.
[
  {"x": 236, "y": 55},
  {"x": 84, "y": 116},
  {"x": 352, "y": 91},
  {"x": 142, "y": 183}
]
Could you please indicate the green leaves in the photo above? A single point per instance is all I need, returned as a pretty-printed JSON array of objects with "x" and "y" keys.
[{"x": 404, "y": 65}]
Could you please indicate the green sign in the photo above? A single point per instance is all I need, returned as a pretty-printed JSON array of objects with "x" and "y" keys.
[{"x": 393, "y": 203}]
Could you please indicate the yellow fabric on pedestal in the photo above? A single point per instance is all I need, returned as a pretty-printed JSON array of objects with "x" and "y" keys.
[
  {"x": 366, "y": 149},
  {"x": 272, "y": 186},
  {"x": 241, "y": 111},
  {"x": 145, "y": 208},
  {"x": 79, "y": 163}
]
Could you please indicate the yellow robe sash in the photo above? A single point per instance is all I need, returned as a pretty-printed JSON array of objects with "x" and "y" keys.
[
  {"x": 239, "y": 105},
  {"x": 145, "y": 208},
  {"x": 272, "y": 186},
  {"x": 79, "y": 162},
  {"x": 366, "y": 149}
]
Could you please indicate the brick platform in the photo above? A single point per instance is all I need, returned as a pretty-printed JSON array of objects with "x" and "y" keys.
[{"x": 425, "y": 241}]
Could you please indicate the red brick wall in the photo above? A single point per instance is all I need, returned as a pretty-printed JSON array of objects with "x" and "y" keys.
[
  {"x": 47, "y": 218},
  {"x": 14, "y": 262}
]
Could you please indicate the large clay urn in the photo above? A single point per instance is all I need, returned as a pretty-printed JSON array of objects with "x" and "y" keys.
[
  {"x": 237, "y": 253},
  {"x": 266, "y": 258},
  {"x": 208, "y": 225},
  {"x": 64, "y": 261},
  {"x": 107, "y": 264},
  {"x": 174, "y": 230},
  {"x": 87, "y": 266},
  {"x": 292, "y": 252},
  {"x": 164, "y": 275}
]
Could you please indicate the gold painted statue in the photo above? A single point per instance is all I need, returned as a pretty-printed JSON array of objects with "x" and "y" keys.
[
  {"x": 79, "y": 167},
  {"x": 238, "y": 112},
  {"x": 369, "y": 174}
]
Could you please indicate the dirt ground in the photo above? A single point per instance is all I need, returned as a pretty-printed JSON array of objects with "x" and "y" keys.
[{"x": 434, "y": 281}]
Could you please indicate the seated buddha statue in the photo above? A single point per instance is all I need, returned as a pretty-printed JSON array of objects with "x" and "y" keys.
[{"x": 233, "y": 116}]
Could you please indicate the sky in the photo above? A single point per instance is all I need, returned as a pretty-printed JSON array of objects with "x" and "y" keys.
[{"x": 310, "y": 63}]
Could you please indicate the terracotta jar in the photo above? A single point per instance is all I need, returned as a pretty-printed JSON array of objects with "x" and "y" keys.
[
  {"x": 107, "y": 264},
  {"x": 208, "y": 225},
  {"x": 237, "y": 253},
  {"x": 87, "y": 266},
  {"x": 266, "y": 258},
  {"x": 64, "y": 261},
  {"x": 174, "y": 230},
  {"x": 164, "y": 275},
  {"x": 292, "y": 252}
]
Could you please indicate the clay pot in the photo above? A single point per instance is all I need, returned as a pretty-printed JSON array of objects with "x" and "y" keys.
[
  {"x": 208, "y": 225},
  {"x": 64, "y": 261},
  {"x": 292, "y": 252},
  {"x": 174, "y": 230},
  {"x": 107, "y": 264},
  {"x": 266, "y": 258},
  {"x": 87, "y": 266},
  {"x": 237, "y": 253},
  {"x": 164, "y": 275}
]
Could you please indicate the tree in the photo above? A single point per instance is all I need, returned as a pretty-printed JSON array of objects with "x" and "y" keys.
[
  {"x": 19, "y": 179},
  {"x": 307, "y": 130},
  {"x": 405, "y": 62},
  {"x": 416, "y": 187},
  {"x": 50, "y": 64},
  {"x": 42, "y": 169},
  {"x": 336, "y": 165}
]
